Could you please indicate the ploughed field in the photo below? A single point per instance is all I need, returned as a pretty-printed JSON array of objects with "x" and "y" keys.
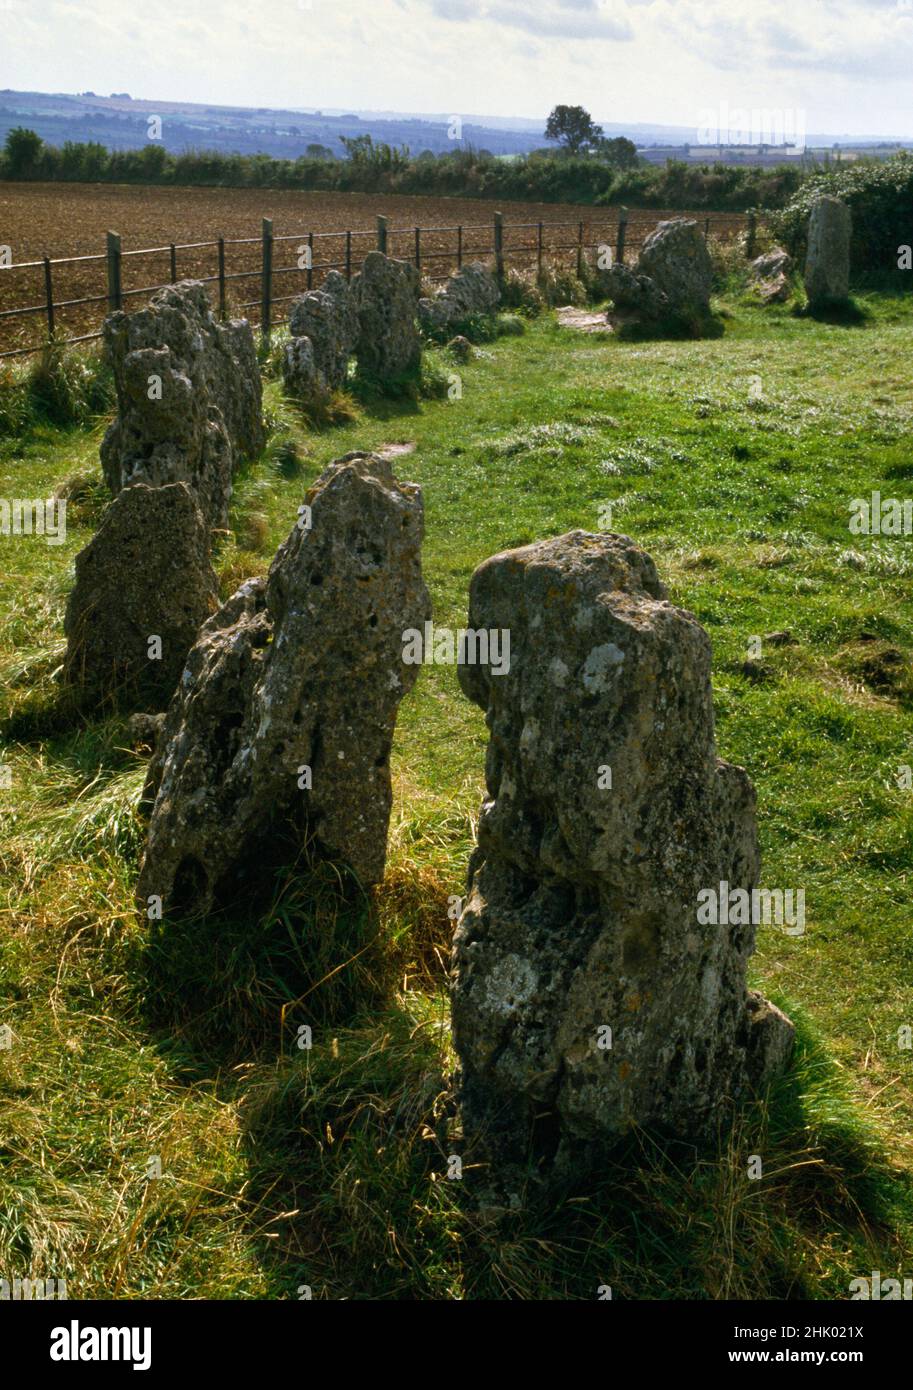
[{"x": 64, "y": 220}]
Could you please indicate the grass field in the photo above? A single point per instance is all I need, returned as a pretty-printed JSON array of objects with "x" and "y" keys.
[
  {"x": 60, "y": 220},
  {"x": 733, "y": 461}
]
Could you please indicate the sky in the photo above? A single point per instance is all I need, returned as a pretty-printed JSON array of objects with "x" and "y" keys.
[{"x": 844, "y": 66}]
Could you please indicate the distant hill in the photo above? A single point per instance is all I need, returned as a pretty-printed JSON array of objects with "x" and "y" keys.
[{"x": 120, "y": 122}]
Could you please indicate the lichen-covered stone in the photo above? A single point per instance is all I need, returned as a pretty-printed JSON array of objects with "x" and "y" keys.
[
  {"x": 608, "y": 812},
  {"x": 326, "y": 320},
  {"x": 471, "y": 292},
  {"x": 461, "y": 348},
  {"x": 189, "y": 398},
  {"x": 385, "y": 298},
  {"x": 145, "y": 575},
  {"x": 676, "y": 259},
  {"x": 827, "y": 265},
  {"x": 770, "y": 274},
  {"x": 635, "y": 296},
  {"x": 296, "y": 677}
]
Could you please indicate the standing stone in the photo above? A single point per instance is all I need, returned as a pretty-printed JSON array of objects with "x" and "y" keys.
[
  {"x": 676, "y": 259},
  {"x": 145, "y": 574},
  {"x": 608, "y": 812},
  {"x": 770, "y": 274},
  {"x": 385, "y": 297},
  {"x": 296, "y": 679},
  {"x": 827, "y": 265},
  {"x": 327, "y": 317},
  {"x": 473, "y": 291},
  {"x": 189, "y": 398},
  {"x": 634, "y": 297}
]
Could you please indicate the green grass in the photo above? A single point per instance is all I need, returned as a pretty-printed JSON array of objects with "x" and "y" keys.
[{"x": 327, "y": 1167}]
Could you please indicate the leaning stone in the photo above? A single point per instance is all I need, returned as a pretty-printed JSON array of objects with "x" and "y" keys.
[
  {"x": 776, "y": 261},
  {"x": 189, "y": 398},
  {"x": 385, "y": 297},
  {"x": 281, "y": 730},
  {"x": 827, "y": 265},
  {"x": 770, "y": 274},
  {"x": 588, "y": 997},
  {"x": 144, "y": 580}
]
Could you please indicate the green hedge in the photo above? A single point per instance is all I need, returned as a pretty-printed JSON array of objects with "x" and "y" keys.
[
  {"x": 880, "y": 195},
  {"x": 370, "y": 168}
]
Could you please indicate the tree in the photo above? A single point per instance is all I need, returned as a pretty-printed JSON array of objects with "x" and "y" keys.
[
  {"x": 22, "y": 149},
  {"x": 621, "y": 153},
  {"x": 319, "y": 152},
  {"x": 574, "y": 128}
]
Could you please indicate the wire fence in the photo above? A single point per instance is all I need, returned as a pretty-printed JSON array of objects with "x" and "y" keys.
[{"x": 247, "y": 273}]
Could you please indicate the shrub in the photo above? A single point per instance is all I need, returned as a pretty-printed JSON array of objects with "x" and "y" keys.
[
  {"x": 15, "y": 404},
  {"x": 519, "y": 291},
  {"x": 880, "y": 196},
  {"x": 59, "y": 384},
  {"x": 559, "y": 284}
]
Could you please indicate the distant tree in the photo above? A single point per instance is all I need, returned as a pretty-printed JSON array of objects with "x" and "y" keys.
[
  {"x": 21, "y": 149},
  {"x": 574, "y": 128},
  {"x": 319, "y": 152},
  {"x": 620, "y": 152}
]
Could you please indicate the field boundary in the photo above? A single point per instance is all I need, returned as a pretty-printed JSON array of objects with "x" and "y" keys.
[{"x": 526, "y": 244}]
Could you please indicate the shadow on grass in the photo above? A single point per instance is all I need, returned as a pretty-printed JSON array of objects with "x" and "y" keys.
[
  {"x": 351, "y": 1144},
  {"x": 240, "y": 983},
  {"x": 676, "y": 329},
  {"x": 841, "y": 314}
]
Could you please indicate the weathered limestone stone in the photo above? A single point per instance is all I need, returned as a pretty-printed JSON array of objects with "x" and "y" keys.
[
  {"x": 281, "y": 729},
  {"x": 471, "y": 291},
  {"x": 385, "y": 297},
  {"x": 299, "y": 371},
  {"x": 326, "y": 319},
  {"x": 145, "y": 574},
  {"x": 461, "y": 348},
  {"x": 676, "y": 259},
  {"x": 827, "y": 265},
  {"x": 770, "y": 274},
  {"x": 635, "y": 296},
  {"x": 582, "y": 911},
  {"x": 189, "y": 398}
]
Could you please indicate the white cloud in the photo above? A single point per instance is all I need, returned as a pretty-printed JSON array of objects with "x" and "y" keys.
[{"x": 846, "y": 62}]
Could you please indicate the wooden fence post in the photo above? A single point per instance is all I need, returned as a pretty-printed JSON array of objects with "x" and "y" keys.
[
  {"x": 752, "y": 234},
  {"x": 115, "y": 298},
  {"x": 266, "y": 278},
  {"x": 540, "y": 246},
  {"x": 310, "y": 275},
  {"x": 221, "y": 277},
  {"x": 418, "y": 249},
  {"x": 707, "y": 229},
  {"x": 49, "y": 295},
  {"x": 382, "y": 235},
  {"x": 174, "y": 263},
  {"x": 580, "y": 251},
  {"x": 499, "y": 245},
  {"x": 348, "y": 255},
  {"x": 460, "y": 247},
  {"x": 622, "y": 234}
]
